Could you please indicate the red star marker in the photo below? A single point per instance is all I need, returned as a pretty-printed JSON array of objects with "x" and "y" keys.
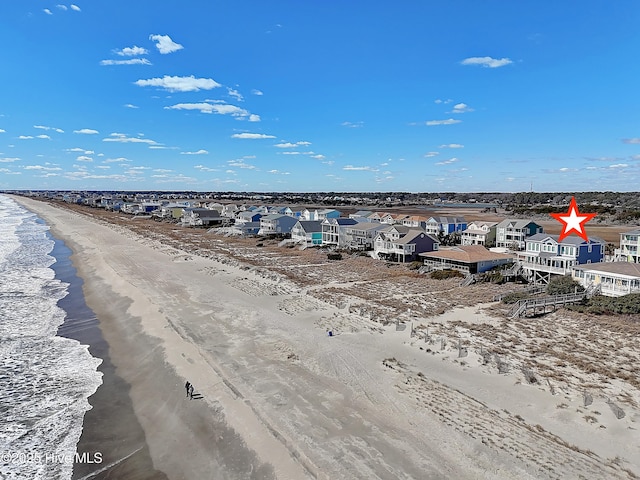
[{"x": 573, "y": 221}]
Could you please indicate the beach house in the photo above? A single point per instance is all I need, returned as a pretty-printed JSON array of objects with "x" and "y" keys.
[
  {"x": 629, "y": 250},
  {"x": 545, "y": 255},
  {"x": 307, "y": 232},
  {"x": 445, "y": 225},
  {"x": 201, "y": 217},
  {"x": 513, "y": 232},
  {"x": 479, "y": 233},
  {"x": 276, "y": 224},
  {"x": 333, "y": 230},
  {"x": 402, "y": 244},
  {"x": 470, "y": 259},
  {"x": 614, "y": 278}
]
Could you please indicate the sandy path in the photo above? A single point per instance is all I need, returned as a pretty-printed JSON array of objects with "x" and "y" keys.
[{"x": 286, "y": 399}]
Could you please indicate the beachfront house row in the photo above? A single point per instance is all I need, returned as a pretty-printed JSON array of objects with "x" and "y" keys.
[
  {"x": 469, "y": 260},
  {"x": 479, "y": 233},
  {"x": 201, "y": 217},
  {"x": 402, "y": 244},
  {"x": 629, "y": 250},
  {"x": 512, "y": 233},
  {"x": 276, "y": 224},
  {"x": 307, "y": 232},
  {"x": 333, "y": 230},
  {"x": 445, "y": 225},
  {"x": 614, "y": 278},
  {"x": 545, "y": 256}
]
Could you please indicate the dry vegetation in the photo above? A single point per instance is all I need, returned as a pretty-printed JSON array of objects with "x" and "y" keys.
[{"x": 563, "y": 352}]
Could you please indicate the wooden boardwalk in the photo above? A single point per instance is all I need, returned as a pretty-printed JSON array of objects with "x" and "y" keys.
[{"x": 537, "y": 306}]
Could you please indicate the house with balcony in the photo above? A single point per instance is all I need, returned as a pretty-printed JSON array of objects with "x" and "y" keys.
[
  {"x": 333, "y": 230},
  {"x": 201, "y": 217},
  {"x": 415, "y": 221},
  {"x": 445, "y": 225},
  {"x": 629, "y": 250},
  {"x": 403, "y": 244},
  {"x": 479, "y": 233},
  {"x": 276, "y": 224},
  {"x": 615, "y": 279},
  {"x": 248, "y": 216},
  {"x": 512, "y": 233},
  {"x": 361, "y": 235},
  {"x": 546, "y": 256},
  {"x": 307, "y": 232},
  {"x": 469, "y": 260}
]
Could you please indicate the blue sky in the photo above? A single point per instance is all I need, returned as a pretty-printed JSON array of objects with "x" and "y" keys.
[{"x": 420, "y": 96}]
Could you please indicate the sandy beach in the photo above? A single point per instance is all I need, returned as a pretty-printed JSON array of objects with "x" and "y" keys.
[{"x": 445, "y": 392}]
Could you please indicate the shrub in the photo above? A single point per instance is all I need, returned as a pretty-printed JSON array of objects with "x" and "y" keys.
[
  {"x": 601, "y": 305},
  {"x": 514, "y": 297},
  {"x": 334, "y": 256},
  {"x": 563, "y": 285},
  {"x": 444, "y": 274}
]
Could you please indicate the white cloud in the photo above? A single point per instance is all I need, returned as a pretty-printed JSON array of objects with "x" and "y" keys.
[
  {"x": 42, "y": 127},
  {"x": 318, "y": 156},
  {"x": 451, "y": 145},
  {"x": 86, "y": 131},
  {"x": 9, "y": 159},
  {"x": 41, "y": 167},
  {"x": 122, "y": 138},
  {"x": 235, "y": 94},
  {"x": 254, "y": 118},
  {"x": 448, "y": 121},
  {"x": 165, "y": 44},
  {"x": 218, "y": 108},
  {"x": 75, "y": 7},
  {"x": 257, "y": 92},
  {"x": 619, "y": 165},
  {"x": 43, "y": 137},
  {"x": 352, "y": 124},
  {"x": 291, "y": 145},
  {"x": 116, "y": 160},
  {"x": 241, "y": 164},
  {"x": 25, "y": 137},
  {"x": 251, "y": 135},
  {"x": 448, "y": 162},
  {"x": 359, "y": 169},
  {"x": 130, "y": 105},
  {"x": 62, "y": 7},
  {"x": 131, "y": 51},
  {"x": 179, "y": 84},
  {"x": 2, "y": 131},
  {"x": 487, "y": 62},
  {"x": 83, "y": 158},
  {"x": 131, "y": 61},
  {"x": 47, "y": 11},
  {"x": 632, "y": 141},
  {"x": 206, "y": 169},
  {"x": 199, "y": 152},
  {"x": 290, "y": 153},
  {"x": 461, "y": 108}
]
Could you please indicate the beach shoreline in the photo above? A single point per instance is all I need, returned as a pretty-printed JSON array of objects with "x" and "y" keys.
[{"x": 292, "y": 403}]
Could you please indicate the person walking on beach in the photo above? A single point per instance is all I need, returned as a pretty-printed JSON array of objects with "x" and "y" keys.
[
  {"x": 187, "y": 386},
  {"x": 190, "y": 392}
]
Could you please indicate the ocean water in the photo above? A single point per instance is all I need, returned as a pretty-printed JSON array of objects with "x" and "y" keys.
[{"x": 45, "y": 379}]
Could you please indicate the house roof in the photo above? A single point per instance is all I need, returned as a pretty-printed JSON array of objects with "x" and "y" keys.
[
  {"x": 311, "y": 225},
  {"x": 448, "y": 219},
  {"x": 412, "y": 235},
  {"x": 571, "y": 239},
  {"x": 622, "y": 268},
  {"x": 516, "y": 223},
  {"x": 467, "y": 254}
]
